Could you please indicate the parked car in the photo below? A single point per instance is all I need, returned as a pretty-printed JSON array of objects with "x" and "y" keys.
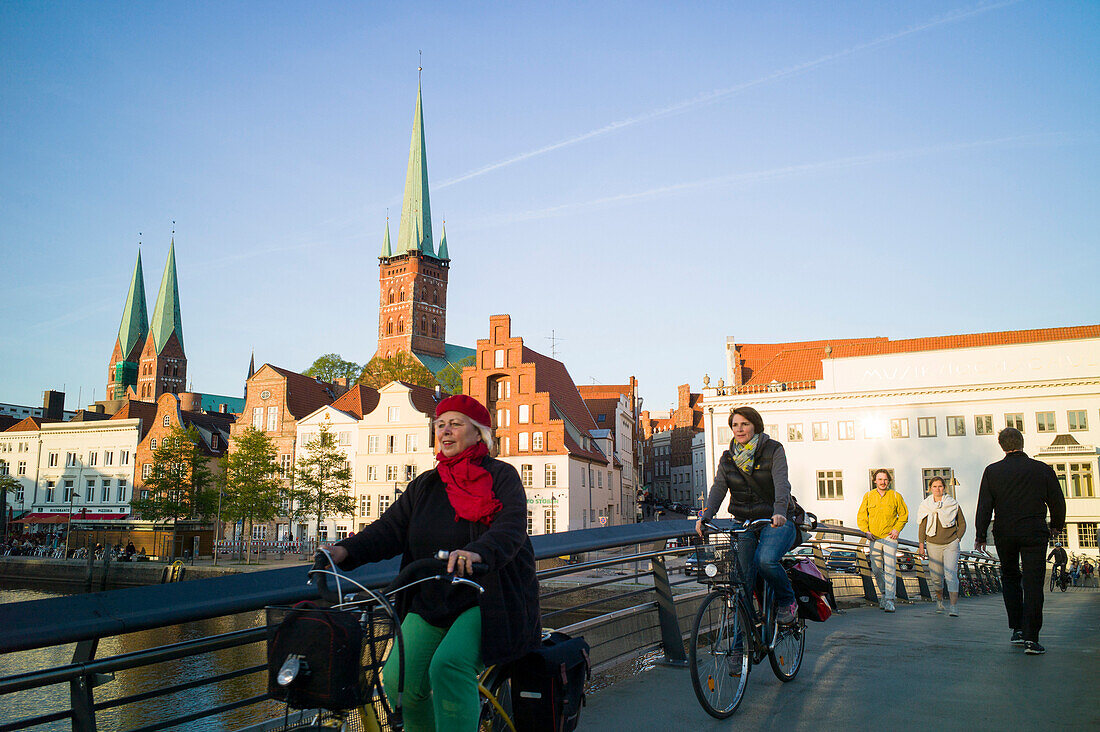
[
  {"x": 842, "y": 560},
  {"x": 801, "y": 551},
  {"x": 906, "y": 561},
  {"x": 695, "y": 561}
]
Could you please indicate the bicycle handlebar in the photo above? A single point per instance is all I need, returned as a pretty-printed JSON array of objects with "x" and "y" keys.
[{"x": 420, "y": 570}]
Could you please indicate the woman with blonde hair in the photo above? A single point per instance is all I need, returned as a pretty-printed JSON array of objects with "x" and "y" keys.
[{"x": 941, "y": 526}]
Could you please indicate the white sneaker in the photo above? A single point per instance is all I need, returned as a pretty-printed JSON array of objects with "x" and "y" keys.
[
  {"x": 953, "y": 612},
  {"x": 888, "y": 606},
  {"x": 939, "y": 606},
  {"x": 881, "y": 604}
]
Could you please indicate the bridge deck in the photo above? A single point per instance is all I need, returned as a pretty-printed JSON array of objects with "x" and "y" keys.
[{"x": 913, "y": 669}]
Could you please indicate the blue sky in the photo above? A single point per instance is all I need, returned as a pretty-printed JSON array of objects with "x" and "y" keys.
[{"x": 642, "y": 179}]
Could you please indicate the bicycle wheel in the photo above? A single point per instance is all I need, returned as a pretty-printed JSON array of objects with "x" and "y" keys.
[
  {"x": 1053, "y": 581},
  {"x": 718, "y": 676},
  {"x": 496, "y": 703},
  {"x": 786, "y": 655}
]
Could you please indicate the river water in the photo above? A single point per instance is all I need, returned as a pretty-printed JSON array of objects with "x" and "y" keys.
[{"x": 53, "y": 698}]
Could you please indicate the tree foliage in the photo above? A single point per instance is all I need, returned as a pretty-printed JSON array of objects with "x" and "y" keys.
[
  {"x": 402, "y": 366},
  {"x": 322, "y": 479},
  {"x": 8, "y": 484},
  {"x": 450, "y": 377},
  {"x": 331, "y": 366},
  {"x": 179, "y": 483},
  {"x": 252, "y": 484}
]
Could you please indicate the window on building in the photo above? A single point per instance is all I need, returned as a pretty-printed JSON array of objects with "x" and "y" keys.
[
  {"x": 70, "y": 460},
  {"x": 583, "y": 472},
  {"x": 123, "y": 457},
  {"x": 794, "y": 432},
  {"x": 153, "y": 444},
  {"x": 899, "y": 427},
  {"x": 599, "y": 479},
  {"x": 956, "y": 426},
  {"x": 983, "y": 424},
  {"x": 526, "y": 474},
  {"x": 1015, "y": 419},
  {"x": 410, "y": 443},
  {"x": 821, "y": 430},
  {"x": 536, "y": 441},
  {"x": 364, "y": 505},
  {"x": 1078, "y": 419},
  {"x": 1076, "y": 479},
  {"x": 93, "y": 459},
  {"x": 530, "y": 522},
  {"x": 372, "y": 472},
  {"x": 947, "y": 474},
  {"x": 21, "y": 468},
  {"x": 122, "y": 485},
  {"x": 372, "y": 444},
  {"x": 1086, "y": 535},
  {"x": 410, "y": 472},
  {"x": 257, "y": 418},
  {"x": 506, "y": 445},
  {"x": 391, "y": 473},
  {"x": 19, "y": 494},
  {"x": 498, "y": 358},
  {"x": 146, "y": 471},
  {"x": 926, "y": 426},
  {"x": 524, "y": 413},
  {"x": 322, "y": 533},
  {"x": 830, "y": 484},
  {"x": 391, "y": 443},
  {"x": 845, "y": 430},
  {"x": 49, "y": 491},
  {"x": 393, "y": 414},
  {"x": 53, "y": 460},
  {"x": 1044, "y": 421},
  {"x": 1060, "y": 536},
  {"x": 550, "y": 474},
  {"x": 106, "y": 492},
  {"x": 524, "y": 441},
  {"x": 383, "y": 504},
  {"x": 344, "y": 438},
  {"x": 69, "y": 491}
]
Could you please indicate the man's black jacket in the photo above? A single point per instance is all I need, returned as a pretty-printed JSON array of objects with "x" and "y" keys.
[{"x": 1020, "y": 490}]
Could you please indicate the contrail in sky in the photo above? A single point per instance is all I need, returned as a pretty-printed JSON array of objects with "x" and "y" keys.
[
  {"x": 720, "y": 94},
  {"x": 759, "y": 176}
]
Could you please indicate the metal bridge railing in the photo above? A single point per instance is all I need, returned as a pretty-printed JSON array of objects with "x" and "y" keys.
[{"x": 625, "y": 598}]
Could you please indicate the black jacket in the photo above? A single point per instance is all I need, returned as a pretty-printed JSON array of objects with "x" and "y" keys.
[
  {"x": 422, "y": 521},
  {"x": 1058, "y": 554},
  {"x": 1019, "y": 490},
  {"x": 771, "y": 494}
]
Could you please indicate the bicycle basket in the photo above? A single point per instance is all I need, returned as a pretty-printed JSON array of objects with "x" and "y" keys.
[
  {"x": 340, "y": 655},
  {"x": 717, "y": 563}
]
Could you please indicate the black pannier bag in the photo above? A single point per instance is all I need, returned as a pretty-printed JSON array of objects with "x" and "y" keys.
[
  {"x": 548, "y": 685},
  {"x": 329, "y": 648},
  {"x": 810, "y": 589}
]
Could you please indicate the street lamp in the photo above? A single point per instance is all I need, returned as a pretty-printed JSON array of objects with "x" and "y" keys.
[
  {"x": 217, "y": 524},
  {"x": 69, "y": 523}
]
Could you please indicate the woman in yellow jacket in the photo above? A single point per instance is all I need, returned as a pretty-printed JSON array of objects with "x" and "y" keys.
[{"x": 882, "y": 514}]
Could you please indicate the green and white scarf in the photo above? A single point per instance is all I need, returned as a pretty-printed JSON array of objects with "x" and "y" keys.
[{"x": 743, "y": 454}]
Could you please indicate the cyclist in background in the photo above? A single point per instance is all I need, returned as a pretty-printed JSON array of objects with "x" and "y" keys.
[
  {"x": 1058, "y": 555},
  {"x": 754, "y": 473},
  {"x": 475, "y": 507}
]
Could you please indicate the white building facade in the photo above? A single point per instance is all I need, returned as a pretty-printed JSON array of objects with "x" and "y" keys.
[{"x": 921, "y": 412}]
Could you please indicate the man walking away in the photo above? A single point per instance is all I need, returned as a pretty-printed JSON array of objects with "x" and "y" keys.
[
  {"x": 882, "y": 514},
  {"x": 1058, "y": 554},
  {"x": 1018, "y": 491}
]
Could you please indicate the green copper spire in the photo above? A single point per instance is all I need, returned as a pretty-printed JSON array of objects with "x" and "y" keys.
[
  {"x": 443, "y": 253},
  {"x": 135, "y": 319},
  {"x": 387, "y": 250},
  {"x": 415, "y": 232},
  {"x": 166, "y": 313}
]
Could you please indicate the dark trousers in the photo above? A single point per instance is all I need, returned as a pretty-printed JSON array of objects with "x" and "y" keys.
[{"x": 1023, "y": 567}]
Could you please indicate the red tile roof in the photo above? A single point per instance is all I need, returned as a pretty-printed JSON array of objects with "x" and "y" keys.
[
  {"x": 359, "y": 400},
  {"x": 604, "y": 391},
  {"x": 604, "y": 406},
  {"x": 801, "y": 361},
  {"x": 423, "y": 398},
  {"x": 145, "y": 411},
  {"x": 553, "y": 378},
  {"x": 304, "y": 394},
  {"x": 30, "y": 424}
]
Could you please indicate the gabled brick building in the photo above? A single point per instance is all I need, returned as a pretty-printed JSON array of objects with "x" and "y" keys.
[
  {"x": 667, "y": 458},
  {"x": 543, "y": 427}
]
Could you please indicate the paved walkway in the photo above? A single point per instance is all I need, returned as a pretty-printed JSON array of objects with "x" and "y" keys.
[{"x": 866, "y": 670}]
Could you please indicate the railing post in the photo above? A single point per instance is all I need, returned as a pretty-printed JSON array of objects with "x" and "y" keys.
[
  {"x": 80, "y": 689},
  {"x": 671, "y": 637},
  {"x": 922, "y": 579},
  {"x": 866, "y": 573}
]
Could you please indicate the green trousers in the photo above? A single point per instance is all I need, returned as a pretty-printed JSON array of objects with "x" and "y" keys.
[{"x": 441, "y": 669}]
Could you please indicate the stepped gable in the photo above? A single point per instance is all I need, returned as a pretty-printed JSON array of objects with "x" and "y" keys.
[
  {"x": 304, "y": 394},
  {"x": 801, "y": 361},
  {"x": 566, "y": 403},
  {"x": 358, "y": 401},
  {"x": 145, "y": 411}
]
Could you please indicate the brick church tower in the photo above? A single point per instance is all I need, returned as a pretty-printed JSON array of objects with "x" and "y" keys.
[
  {"x": 122, "y": 371},
  {"x": 412, "y": 276},
  {"x": 162, "y": 366}
]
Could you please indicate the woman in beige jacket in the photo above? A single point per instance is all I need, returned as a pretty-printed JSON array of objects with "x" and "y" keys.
[{"x": 940, "y": 526}]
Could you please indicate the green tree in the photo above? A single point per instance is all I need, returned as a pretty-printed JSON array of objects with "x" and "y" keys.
[
  {"x": 322, "y": 479},
  {"x": 450, "y": 377},
  {"x": 8, "y": 484},
  {"x": 402, "y": 366},
  {"x": 332, "y": 366},
  {"x": 252, "y": 484},
  {"x": 178, "y": 486}
]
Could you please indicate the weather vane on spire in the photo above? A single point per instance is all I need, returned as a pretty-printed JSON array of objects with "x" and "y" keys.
[
  {"x": 173, "y": 227},
  {"x": 420, "y": 65}
]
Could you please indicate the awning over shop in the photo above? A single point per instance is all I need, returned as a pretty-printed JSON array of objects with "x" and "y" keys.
[
  {"x": 99, "y": 516},
  {"x": 44, "y": 518}
]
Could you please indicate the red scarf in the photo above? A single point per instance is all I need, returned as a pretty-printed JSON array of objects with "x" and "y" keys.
[{"x": 469, "y": 486}]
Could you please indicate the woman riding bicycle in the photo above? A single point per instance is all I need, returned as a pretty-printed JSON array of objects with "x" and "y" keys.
[
  {"x": 475, "y": 507},
  {"x": 754, "y": 473}
]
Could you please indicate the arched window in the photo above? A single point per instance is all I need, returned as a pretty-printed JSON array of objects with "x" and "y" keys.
[
  {"x": 435, "y": 296},
  {"x": 423, "y": 325},
  {"x": 400, "y": 325},
  {"x": 435, "y": 328},
  {"x": 402, "y": 297},
  {"x": 166, "y": 369},
  {"x": 391, "y": 296},
  {"x": 389, "y": 328},
  {"x": 153, "y": 444}
]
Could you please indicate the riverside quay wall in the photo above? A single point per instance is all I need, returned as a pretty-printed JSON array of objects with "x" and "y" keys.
[{"x": 95, "y": 575}]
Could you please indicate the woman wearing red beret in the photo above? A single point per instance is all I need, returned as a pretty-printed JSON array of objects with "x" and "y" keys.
[{"x": 475, "y": 507}]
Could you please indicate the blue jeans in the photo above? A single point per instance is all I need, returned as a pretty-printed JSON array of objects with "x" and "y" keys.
[{"x": 762, "y": 552}]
